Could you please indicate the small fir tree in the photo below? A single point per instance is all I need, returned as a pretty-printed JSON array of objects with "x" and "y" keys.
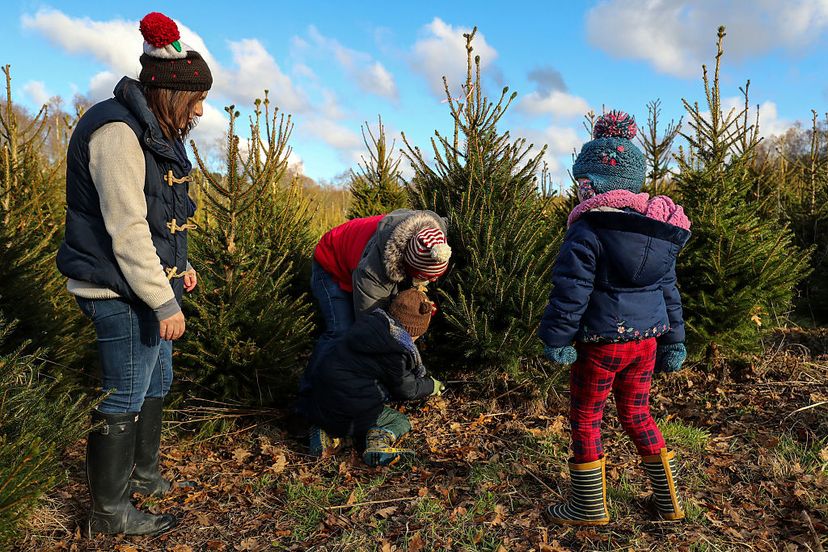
[
  {"x": 377, "y": 188},
  {"x": 739, "y": 269},
  {"x": 658, "y": 148},
  {"x": 503, "y": 244},
  {"x": 38, "y": 420},
  {"x": 248, "y": 324},
  {"x": 32, "y": 201},
  {"x": 790, "y": 175}
]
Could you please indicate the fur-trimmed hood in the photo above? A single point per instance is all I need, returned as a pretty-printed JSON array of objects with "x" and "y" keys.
[
  {"x": 381, "y": 270},
  {"x": 398, "y": 233}
]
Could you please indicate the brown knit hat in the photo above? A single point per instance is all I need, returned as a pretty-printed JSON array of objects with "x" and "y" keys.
[
  {"x": 412, "y": 309},
  {"x": 167, "y": 62}
]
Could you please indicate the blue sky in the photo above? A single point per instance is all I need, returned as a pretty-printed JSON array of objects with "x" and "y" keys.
[{"x": 335, "y": 65}]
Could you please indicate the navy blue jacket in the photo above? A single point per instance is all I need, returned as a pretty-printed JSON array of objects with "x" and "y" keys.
[
  {"x": 374, "y": 363},
  {"x": 614, "y": 281},
  {"x": 86, "y": 252}
]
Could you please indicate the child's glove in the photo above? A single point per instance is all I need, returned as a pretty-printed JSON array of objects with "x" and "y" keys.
[
  {"x": 669, "y": 358},
  {"x": 439, "y": 387},
  {"x": 562, "y": 355}
]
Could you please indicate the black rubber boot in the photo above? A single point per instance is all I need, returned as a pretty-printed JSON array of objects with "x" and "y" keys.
[
  {"x": 146, "y": 479},
  {"x": 109, "y": 461}
]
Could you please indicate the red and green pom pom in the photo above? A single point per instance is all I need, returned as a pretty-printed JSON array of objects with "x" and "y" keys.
[
  {"x": 159, "y": 30},
  {"x": 615, "y": 124}
]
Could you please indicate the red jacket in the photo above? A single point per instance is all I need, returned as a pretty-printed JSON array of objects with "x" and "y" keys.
[{"x": 340, "y": 249}]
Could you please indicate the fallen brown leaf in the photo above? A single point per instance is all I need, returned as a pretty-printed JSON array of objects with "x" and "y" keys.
[{"x": 416, "y": 543}]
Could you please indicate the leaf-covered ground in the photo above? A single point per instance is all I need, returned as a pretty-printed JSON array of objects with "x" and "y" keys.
[{"x": 752, "y": 444}]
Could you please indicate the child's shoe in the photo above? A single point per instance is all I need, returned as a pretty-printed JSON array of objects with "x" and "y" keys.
[
  {"x": 588, "y": 505},
  {"x": 661, "y": 469},
  {"x": 319, "y": 441},
  {"x": 380, "y": 450}
]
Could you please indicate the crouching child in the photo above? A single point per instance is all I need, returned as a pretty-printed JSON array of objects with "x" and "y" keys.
[{"x": 375, "y": 363}]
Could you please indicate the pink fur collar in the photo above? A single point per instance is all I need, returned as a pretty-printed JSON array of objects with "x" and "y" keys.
[{"x": 660, "y": 208}]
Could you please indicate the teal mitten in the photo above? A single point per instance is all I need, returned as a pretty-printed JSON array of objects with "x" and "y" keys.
[
  {"x": 669, "y": 358},
  {"x": 561, "y": 355}
]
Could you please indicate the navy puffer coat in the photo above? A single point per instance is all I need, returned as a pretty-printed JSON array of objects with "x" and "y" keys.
[
  {"x": 376, "y": 362},
  {"x": 615, "y": 281}
]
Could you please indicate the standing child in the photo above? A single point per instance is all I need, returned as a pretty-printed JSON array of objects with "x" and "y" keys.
[
  {"x": 615, "y": 297},
  {"x": 376, "y": 362}
]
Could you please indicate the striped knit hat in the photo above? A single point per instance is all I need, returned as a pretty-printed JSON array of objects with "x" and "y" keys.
[{"x": 427, "y": 255}]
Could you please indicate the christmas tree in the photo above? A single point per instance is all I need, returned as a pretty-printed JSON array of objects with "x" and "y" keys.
[
  {"x": 248, "y": 323},
  {"x": 32, "y": 291},
  {"x": 790, "y": 182},
  {"x": 486, "y": 185},
  {"x": 38, "y": 420},
  {"x": 377, "y": 188},
  {"x": 658, "y": 149},
  {"x": 738, "y": 272}
]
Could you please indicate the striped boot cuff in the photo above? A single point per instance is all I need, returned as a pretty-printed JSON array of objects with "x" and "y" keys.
[
  {"x": 662, "y": 471},
  {"x": 588, "y": 504}
]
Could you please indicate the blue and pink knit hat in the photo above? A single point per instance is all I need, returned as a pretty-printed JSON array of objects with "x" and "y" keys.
[{"x": 611, "y": 161}]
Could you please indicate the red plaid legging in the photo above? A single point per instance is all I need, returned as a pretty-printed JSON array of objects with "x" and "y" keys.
[{"x": 627, "y": 370}]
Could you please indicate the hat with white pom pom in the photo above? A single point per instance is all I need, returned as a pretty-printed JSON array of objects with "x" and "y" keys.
[
  {"x": 427, "y": 254},
  {"x": 611, "y": 161},
  {"x": 167, "y": 62}
]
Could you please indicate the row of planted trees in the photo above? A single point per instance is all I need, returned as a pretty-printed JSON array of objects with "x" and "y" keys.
[{"x": 757, "y": 210}]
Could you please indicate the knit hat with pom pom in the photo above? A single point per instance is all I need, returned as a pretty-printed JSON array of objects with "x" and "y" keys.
[
  {"x": 412, "y": 309},
  {"x": 427, "y": 255},
  {"x": 167, "y": 62},
  {"x": 611, "y": 161}
]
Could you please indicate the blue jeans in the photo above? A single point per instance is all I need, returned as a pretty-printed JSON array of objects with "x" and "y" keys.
[
  {"x": 135, "y": 361},
  {"x": 337, "y": 307}
]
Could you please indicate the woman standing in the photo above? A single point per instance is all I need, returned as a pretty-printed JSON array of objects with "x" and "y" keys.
[{"x": 125, "y": 254}]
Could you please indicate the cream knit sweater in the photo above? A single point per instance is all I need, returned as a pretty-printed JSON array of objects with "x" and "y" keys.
[{"x": 116, "y": 164}]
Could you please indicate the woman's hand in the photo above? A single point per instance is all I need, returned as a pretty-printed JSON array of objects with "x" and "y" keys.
[
  {"x": 190, "y": 280},
  {"x": 173, "y": 327}
]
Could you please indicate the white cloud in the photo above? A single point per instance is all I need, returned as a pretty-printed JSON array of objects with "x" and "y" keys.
[
  {"x": 296, "y": 163},
  {"x": 770, "y": 123},
  {"x": 102, "y": 84},
  {"x": 442, "y": 52},
  {"x": 370, "y": 75},
  {"x": 380, "y": 81},
  {"x": 255, "y": 70},
  {"x": 36, "y": 92},
  {"x": 302, "y": 70},
  {"x": 331, "y": 132},
  {"x": 211, "y": 131},
  {"x": 554, "y": 102},
  {"x": 561, "y": 142},
  {"x": 115, "y": 44},
  {"x": 677, "y": 36}
]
